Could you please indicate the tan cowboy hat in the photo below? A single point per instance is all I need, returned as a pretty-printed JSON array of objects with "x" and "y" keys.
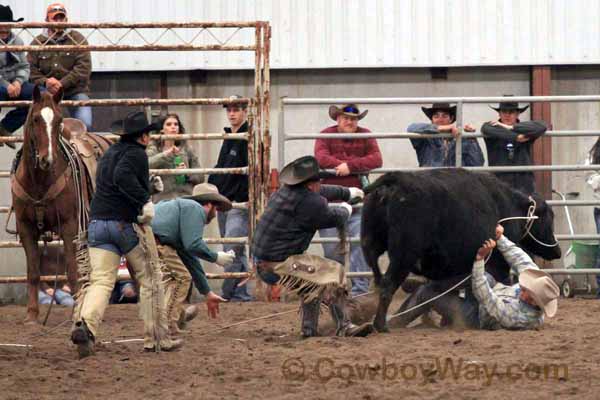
[
  {"x": 542, "y": 288},
  {"x": 209, "y": 192},
  {"x": 350, "y": 110}
]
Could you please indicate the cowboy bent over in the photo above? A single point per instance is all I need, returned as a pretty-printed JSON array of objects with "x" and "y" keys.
[
  {"x": 120, "y": 213},
  {"x": 294, "y": 214}
]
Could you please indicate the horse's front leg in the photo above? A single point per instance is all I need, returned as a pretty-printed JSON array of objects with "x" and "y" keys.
[
  {"x": 29, "y": 238},
  {"x": 68, "y": 234}
]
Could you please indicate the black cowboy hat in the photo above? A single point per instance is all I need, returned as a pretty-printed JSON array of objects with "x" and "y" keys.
[
  {"x": 6, "y": 15},
  {"x": 435, "y": 107},
  {"x": 350, "y": 110},
  {"x": 135, "y": 123},
  {"x": 509, "y": 106},
  {"x": 300, "y": 170}
]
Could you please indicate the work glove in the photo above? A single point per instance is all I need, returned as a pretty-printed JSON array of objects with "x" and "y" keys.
[
  {"x": 156, "y": 184},
  {"x": 356, "y": 193},
  {"x": 147, "y": 213},
  {"x": 225, "y": 258},
  {"x": 347, "y": 207}
]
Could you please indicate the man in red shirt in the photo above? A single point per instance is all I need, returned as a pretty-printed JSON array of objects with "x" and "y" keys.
[{"x": 350, "y": 158}]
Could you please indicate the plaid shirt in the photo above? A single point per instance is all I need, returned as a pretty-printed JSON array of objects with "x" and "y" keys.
[
  {"x": 501, "y": 307},
  {"x": 292, "y": 217}
]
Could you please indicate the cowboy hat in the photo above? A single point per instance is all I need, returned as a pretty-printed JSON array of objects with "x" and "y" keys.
[
  {"x": 135, "y": 123},
  {"x": 205, "y": 192},
  {"x": 445, "y": 107},
  {"x": 509, "y": 106},
  {"x": 300, "y": 170},
  {"x": 350, "y": 110},
  {"x": 6, "y": 15},
  {"x": 542, "y": 288}
]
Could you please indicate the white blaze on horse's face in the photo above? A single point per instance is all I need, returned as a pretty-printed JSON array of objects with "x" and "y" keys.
[{"x": 48, "y": 116}]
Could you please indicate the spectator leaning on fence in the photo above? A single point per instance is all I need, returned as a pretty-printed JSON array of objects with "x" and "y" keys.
[
  {"x": 14, "y": 77},
  {"x": 69, "y": 70},
  {"x": 173, "y": 154},
  {"x": 594, "y": 181},
  {"x": 442, "y": 152},
  {"x": 349, "y": 158},
  {"x": 509, "y": 142},
  {"x": 234, "y": 223}
]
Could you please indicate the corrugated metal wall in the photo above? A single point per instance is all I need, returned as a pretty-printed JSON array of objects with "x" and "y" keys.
[{"x": 358, "y": 33}]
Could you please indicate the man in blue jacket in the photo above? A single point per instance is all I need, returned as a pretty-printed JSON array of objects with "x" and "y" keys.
[
  {"x": 178, "y": 227},
  {"x": 442, "y": 152}
]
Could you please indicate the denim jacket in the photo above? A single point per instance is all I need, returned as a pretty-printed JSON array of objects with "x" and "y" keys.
[
  {"x": 14, "y": 65},
  {"x": 442, "y": 152}
]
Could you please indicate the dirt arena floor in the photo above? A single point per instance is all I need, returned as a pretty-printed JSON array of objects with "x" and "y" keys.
[{"x": 266, "y": 359}]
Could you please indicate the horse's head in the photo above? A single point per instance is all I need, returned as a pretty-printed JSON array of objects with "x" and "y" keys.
[{"x": 43, "y": 128}]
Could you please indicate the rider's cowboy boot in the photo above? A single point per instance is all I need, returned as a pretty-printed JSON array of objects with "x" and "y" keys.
[
  {"x": 83, "y": 338},
  {"x": 344, "y": 327},
  {"x": 310, "y": 318}
]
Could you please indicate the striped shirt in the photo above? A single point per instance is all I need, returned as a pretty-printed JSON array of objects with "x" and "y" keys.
[{"x": 500, "y": 306}]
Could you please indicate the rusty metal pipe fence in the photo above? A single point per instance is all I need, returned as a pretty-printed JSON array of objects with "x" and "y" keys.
[
  {"x": 283, "y": 137},
  {"x": 259, "y": 105}
]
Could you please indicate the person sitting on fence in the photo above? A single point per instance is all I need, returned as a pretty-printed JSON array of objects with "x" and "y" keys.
[
  {"x": 234, "y": 223},
  {"x": 509, "y": 142},
  {"x": 70, "y": 70},
  {"x": 487, "y": 304},
  {"x": 14, "y": 77},
  {"x": 349, "y": 157},
  {"x": 442, "y": 152},
  {"x": 178, "y": 226},
  {"x": 62, "y": 295},
  {"x": 594, "y": 182},
  {"x": 284, "y": 232},
  {"x": 169, "y": 154}
]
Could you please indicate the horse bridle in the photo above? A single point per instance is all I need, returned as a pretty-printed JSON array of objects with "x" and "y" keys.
[{"x": 35, "y": 154}]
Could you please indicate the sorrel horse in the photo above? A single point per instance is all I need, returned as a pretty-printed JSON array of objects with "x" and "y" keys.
[{"x": 50, "y": 189}]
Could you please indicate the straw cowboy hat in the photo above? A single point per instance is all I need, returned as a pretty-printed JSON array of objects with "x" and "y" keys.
[
  {"x": 134, "y": 123},
  {"x": 542, "y": 288},
  {"x": 435, "y": 107},
  {"x": 209, "y": 192},
  {"x": 509, "y": 106},
  {"x": 350, "y": 110},
  {"x": 300, "y": 170}
]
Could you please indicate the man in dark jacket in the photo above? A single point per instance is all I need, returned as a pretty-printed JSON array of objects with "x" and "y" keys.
[
  {"x": 14, "y": 77},
  {"x": 234, "y": 223},
  {"x": 70, "y": 71},
  {"x": 509, "y": 142},
  {"x": 294, "y": 214},
  {"x": 442, "y": 152},
  {"x": 121, "y": 211}
]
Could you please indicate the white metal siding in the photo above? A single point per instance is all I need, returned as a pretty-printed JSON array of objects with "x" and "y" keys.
[{"x": 355, "y": 33}]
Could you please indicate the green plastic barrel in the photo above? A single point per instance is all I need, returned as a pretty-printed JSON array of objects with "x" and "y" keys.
[{"x": 585, "y": 254}]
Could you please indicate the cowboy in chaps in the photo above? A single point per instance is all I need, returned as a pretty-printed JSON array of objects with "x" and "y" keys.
[
  {"x": 509, "y": 142},
  {"x": 442, "y": 152},
  {"x": 120, "y": 214},
  {"x": 352, "y": 160},
  {"x": 178, "y": 228},
  {"x": 293, "y": 215}
]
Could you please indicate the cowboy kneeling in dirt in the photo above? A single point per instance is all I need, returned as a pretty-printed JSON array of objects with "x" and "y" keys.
[
  {"x": 294, "y": 214},
  {"x": 492, "y": 305}
]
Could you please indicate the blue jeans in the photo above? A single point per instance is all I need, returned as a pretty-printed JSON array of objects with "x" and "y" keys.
[
  {"x": 62, "y": 298},
  {"x": 116, "y": 236},
  {"x": 82, "y": 113},
  {"x": 357, "y": 260},
  {"x": 234, "y": 223},
  {"x": 268, "y": 277},
  {"x": 16, "y": 118}
]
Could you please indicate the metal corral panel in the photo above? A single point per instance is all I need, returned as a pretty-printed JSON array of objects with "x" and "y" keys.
[{"x": 357, "y": 33}]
